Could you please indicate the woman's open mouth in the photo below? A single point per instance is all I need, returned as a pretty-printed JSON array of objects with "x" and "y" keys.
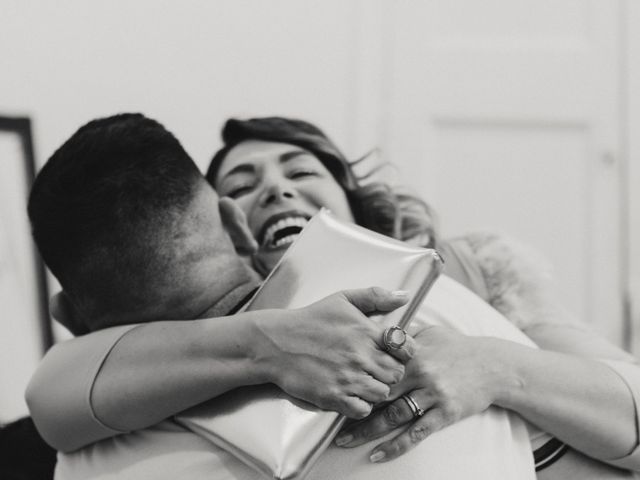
[{"x": 281, "y": 230}]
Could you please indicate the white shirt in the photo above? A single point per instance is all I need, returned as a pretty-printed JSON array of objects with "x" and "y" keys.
[{"x": 490, "y": 445}]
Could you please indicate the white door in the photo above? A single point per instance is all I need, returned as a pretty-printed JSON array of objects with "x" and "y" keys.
[
  {"x": 504, "y": 114},
  {"x": 632, "y": 142}
]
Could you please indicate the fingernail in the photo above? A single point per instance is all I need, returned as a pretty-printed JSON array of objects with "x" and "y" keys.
[
  {"x": 343, "y": 439},
  {"x": 377, "y": 456},
  {"x": 400, "y": 293}
]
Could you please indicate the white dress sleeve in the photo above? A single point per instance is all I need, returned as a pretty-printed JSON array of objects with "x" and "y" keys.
[
  {"x": 59, "y": 393},
  {"x": 630, "y": 374}
]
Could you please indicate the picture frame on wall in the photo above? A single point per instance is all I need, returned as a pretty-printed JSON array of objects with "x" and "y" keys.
[{"x": 25, "y": 325}]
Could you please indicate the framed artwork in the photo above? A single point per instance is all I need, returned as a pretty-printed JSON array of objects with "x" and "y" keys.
[{"x": 25, "y": 326}]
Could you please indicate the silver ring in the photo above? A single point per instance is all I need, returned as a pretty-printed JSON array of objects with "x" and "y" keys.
[
  {"x": 413, "y": 406},
  {"x": 393, "y": 338}
]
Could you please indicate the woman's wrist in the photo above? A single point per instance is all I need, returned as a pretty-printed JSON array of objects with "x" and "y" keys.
[
  {"x": 503, "y": 382},
  {"x": 260, "y": 349},
  {"x": 240, "y": 352}
]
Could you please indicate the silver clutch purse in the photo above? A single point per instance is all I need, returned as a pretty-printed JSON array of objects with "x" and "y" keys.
[{"x": 269, "y": 430}]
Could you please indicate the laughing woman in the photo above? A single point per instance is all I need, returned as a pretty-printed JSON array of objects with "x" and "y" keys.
[
  {"x": 578, "y": 387},
  {"x": 271, "y": 166}
]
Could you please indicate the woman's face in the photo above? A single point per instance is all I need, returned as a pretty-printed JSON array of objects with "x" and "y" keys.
[{"x": 279, "y": 187}]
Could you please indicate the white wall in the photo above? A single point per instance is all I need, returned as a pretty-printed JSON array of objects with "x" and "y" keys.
[
  {"x": 190, "y": 64},
  {"x": 631, "y": 104}
]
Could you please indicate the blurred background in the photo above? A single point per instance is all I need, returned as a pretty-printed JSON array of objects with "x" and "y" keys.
[{"x": 515, "y": 115}]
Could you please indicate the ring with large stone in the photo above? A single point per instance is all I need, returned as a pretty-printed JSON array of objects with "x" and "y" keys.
[
  {"x": 394, "y": 338},
  {"x": 413, "y": 406}
]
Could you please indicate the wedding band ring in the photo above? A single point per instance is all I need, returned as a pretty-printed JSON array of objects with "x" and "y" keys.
[
  {"x": 394, "y": 338},
  {"x": 413, "y": 406}
]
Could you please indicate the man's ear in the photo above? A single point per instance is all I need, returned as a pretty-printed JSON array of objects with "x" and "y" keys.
[
  {"x": 62, "y": 309},
  {"x": 235, "y": 223}
]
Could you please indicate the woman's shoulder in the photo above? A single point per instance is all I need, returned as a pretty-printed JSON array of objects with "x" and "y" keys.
[
  {"x": 502, "y": 257},
  {"x": 461, "y": 264},
  {"x": 518, "y": 279}
]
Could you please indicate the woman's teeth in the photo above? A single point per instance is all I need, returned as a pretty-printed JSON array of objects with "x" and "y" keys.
[
  {"x": 285, "y": 240},
  {"x": 283, "y": 231}
]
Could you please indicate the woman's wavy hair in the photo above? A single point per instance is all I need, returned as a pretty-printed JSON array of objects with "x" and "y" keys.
[{"x": 375, "y": 205}]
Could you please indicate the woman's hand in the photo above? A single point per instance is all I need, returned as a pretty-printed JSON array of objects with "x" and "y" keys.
[
  {"x": 450, "y": 377},
  {"x": 330, "y": 354}
]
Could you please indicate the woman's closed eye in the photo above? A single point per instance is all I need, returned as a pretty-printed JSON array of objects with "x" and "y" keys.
[
  {"x": 301, "y": 173},
  {"x": 239, "y": 190}
]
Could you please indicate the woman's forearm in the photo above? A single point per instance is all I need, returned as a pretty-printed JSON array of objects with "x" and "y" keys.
[
  {"x": 123, "y": 379},
  {"x": 162, "y": 368},
  {"x": 579, "y": 400},
  {"x": 569, "y": 393}
]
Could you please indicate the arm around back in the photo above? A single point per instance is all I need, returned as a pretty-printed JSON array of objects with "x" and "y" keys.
[
  {"x": 126, "y": 378},
  {"x": 59, "y": 393},
  {"x": 596, "y": 409}
]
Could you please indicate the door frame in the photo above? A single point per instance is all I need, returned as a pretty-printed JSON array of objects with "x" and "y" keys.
[{"x": 21, "y": 127}]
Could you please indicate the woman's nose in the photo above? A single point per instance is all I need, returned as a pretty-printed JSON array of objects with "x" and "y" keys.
[{"x": 275, "y": 193}]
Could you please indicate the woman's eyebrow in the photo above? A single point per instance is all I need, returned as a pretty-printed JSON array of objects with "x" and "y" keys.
[
  {"x": 242, "y": 168},
  {"x": 286, "y": 156},
  {"x": 250, "y": 168}
]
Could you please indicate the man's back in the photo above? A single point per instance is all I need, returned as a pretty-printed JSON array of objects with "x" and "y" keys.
[{"x": 489, "y": 445}]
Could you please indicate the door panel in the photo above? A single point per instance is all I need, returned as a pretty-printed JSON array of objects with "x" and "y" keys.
[
  {"x": 505, "y": 115},
  {"x": 532, "y": 200}
]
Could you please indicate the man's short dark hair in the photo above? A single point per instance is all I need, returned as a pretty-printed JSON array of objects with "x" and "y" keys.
[{"x": 103, "y": 206}]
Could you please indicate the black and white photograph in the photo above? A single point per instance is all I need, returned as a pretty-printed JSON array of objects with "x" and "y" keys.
[{"x": 319, "y": 240}]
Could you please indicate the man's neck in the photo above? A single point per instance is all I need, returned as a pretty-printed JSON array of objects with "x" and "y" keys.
[
  {"x": 231, "y": 300},
  {"x": 239, "y": 285}
]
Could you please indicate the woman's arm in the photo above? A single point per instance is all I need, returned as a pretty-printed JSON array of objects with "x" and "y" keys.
[
  {"x": 59, "y": 392},
  {"x": 127, "y": 378},
  {"x": 564, "y": 388},
  {"x": 598, "y": 401},
  {"x": 579, "y": 400},
  {"x": 567, "y": 389}
]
